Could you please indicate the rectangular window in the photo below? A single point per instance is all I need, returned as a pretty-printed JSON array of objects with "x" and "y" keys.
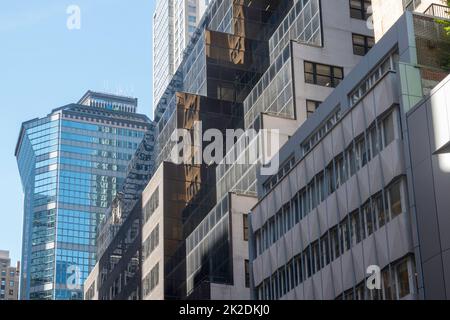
[
  {"x": 323, "y": 75},
  {"x": 245, "y": 224},
  {"x": 388, "y": 130},
  {"x": 311, "y": 107},
  {"x": 403, "y": 279},
  {"x": 362, "y": 155},
  {"x": 362, "y": 44},
  {"x": 247, "y": 273},
  {"x": 387, "y": 285},
  {"x": 341, "y": 171},
  {"x": 395, "y": 201},
  {"x": 379, "y": 211},
  {"x": 151, "y": 205},
  {"x": 375, "y": 140},
  {"x": 368, "y": 219},
  {"x": 344, "y": 235},
  {"x": 359, "y": 9},
  {"x": 334, "y": 236},
  {"x": 355, "y": 227},
  {"x": 351, "y": 160},
  {"x": 325, "y": 251}
]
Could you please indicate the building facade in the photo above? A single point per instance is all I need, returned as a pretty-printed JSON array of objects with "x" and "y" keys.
[
  {"x": 9, "y": 277},
  {"x": 316, "y": 186},
  {"x": 174, "y": 21},
  {"x": 72, "y": 164},
  {"x": 268, "y": 59},
  {"x": 117, "y": 273},
  {"x": 349, "y": 199}
]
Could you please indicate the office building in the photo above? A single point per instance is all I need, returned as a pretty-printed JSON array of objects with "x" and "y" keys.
[
  {"x": 174, "y": 21},
  {"x": 267, "y": 57},
  {"x": 117, "y": 273},
  {"x": 362, "y": 188},
  {"x": 293, "y": 73},
  {"x": 72, "y": 164},
  {"x": 9, "y": 277}
]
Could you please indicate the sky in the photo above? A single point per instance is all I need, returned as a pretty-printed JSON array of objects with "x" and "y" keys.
[{"x": 45, "y": 65}]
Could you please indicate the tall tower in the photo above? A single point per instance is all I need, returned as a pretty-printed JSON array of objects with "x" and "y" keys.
[
  {"x": 72, "y": 164},
  {"x": 174, "y": 21}
]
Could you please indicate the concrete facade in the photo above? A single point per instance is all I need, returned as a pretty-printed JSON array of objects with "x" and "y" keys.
[{"x": 347, "y": 204}]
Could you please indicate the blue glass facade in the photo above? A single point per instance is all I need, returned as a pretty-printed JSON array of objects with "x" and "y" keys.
[{"x": 72, "y": 164}]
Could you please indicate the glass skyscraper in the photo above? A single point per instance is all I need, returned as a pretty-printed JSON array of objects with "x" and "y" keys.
[{"x": 72, "y": 163}]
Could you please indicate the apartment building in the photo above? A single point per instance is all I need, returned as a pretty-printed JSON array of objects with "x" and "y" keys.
[{"x": 9, "y": 277}]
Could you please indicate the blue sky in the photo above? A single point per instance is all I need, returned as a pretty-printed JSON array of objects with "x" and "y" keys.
[{"x": 43, "y": 65}]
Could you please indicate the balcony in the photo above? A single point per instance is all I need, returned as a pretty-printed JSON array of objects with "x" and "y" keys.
[{"x": 438, "y": 10}]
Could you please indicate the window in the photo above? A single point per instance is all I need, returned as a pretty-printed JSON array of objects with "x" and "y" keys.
[
  {"x": 334, "y": 236},
  {"x": 351, "y": 160},
  {"x": 395, "y": 201},
  {"x": 362, "y": 155},
  {"x": 331, "y": 185},
  {"x": 387, "y": 288},
  {"x": 362, "y": 44},
  {"x": 341, "y": 171},
  {"x": 359, "y": 9},
  {"x": 379, "y": 211},
  {"x": 375, "y": 140},
  {"x": 323, "y": 75},
  {"x": 388, "y": 129},
  {"x": 368, "y": 219},
  {"x": 151, "y": 205},
  {"x": 247, "y": 273},
  {"x": 403, "y": 279},
  {"x": 151, "y": 280},
  {"x": 355, "y": 227},
  {"x": 344, "y": 235},
  {"x": 245, "y": 224},
  {"x": 325, "y": 251},
  {"x": 311, "y": 107}
]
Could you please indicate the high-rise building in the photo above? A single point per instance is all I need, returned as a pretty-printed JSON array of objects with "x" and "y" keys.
[
  {"x": 117, "y": 274},
  {"x": 363, "y": 194},
  {"x": 9, "y": 278},
  {"x": 293, "y": 74},
  {"x": 174, "y": 21},
  {"x": 72, "y": 164}
]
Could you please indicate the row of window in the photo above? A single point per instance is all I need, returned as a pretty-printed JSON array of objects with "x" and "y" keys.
[
  {"x": 321, "y": 131},
  {"x": 92, "y": 127},
  {"x": 308, "y": 145},
  {"x": 151, "y": 243},
  {"x": 151, "y": 205},
  {"x": 396, "y": 283},
  {"x": 338, "y": 171},
  {"x": 102, "y": 141},
  {"x": 387, "y": 65},
  {"x": 95, "y": 152},
  {"x": 354, "y": 228}
]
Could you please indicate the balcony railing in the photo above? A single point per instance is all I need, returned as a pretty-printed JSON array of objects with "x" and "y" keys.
[{"x": 438, "y": 10}]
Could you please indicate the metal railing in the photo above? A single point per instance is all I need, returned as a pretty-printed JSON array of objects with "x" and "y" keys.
[{"x": 438, "y": 10}]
